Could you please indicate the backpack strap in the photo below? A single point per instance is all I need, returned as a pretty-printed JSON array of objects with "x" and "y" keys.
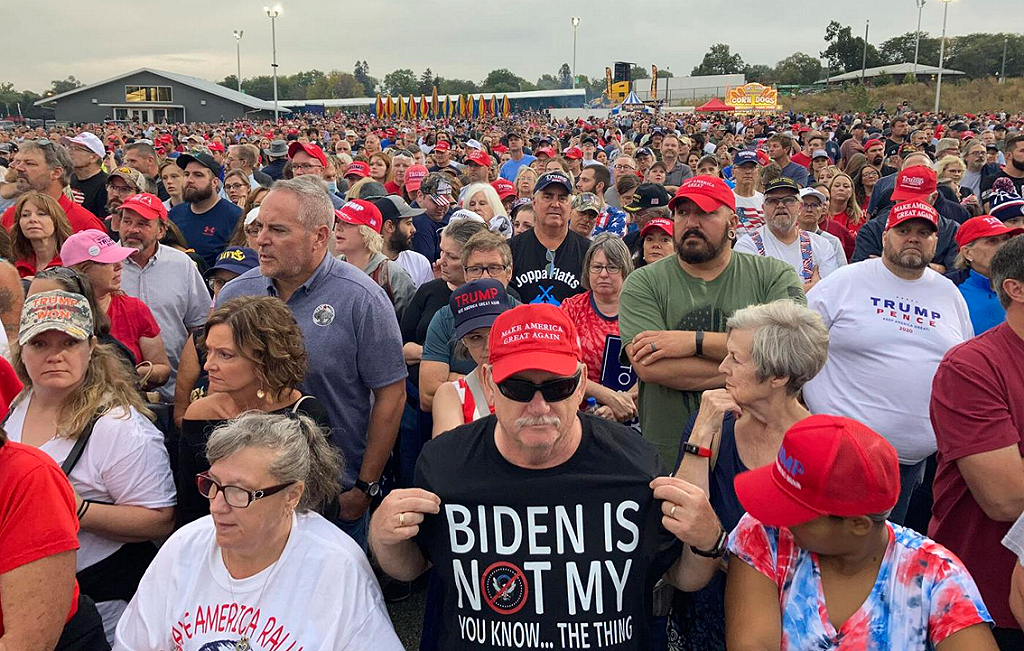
[{"x": 79, "y": 447}]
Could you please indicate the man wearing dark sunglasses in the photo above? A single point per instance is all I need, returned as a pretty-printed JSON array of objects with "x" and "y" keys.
[{"x": 540, "y": 518}]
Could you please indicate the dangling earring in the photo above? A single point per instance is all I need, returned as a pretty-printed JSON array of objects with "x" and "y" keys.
[{"x": 261, "y": 394}]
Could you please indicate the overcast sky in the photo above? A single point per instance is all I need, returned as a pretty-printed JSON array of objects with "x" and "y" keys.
[{"x": 97, "y": 39}]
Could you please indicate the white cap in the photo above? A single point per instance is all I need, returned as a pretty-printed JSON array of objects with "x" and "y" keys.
[
  {"x": 475, "y": 144},
  {"x": 251, "y": 216},
  {"x": 811, "y": 192},
  {"x": 87, "y": 140}
]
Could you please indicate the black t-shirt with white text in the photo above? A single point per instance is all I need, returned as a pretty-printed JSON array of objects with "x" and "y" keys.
[
  {"x": 560, "y": 558},
  {"x": 537, "y": 277},
  {"x": 94, "y": 190}
]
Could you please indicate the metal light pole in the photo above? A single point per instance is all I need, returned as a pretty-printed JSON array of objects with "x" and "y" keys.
[
  {"x": 273, "y": 13},
  {"x": 864, "y": 57},
  {"x": 1002, "y": 73},
  {"x": 238, "y": 54},
  {"x": 942, "y": 53},
  {"x": 575, "y": 24},
  {"x": 917, "y": 40}
]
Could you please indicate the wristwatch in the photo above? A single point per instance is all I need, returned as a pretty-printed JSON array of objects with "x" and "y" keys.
[
  {"x": 700, "y": 451},
  {"x": 372, "y": 489},
  {"x": 717, "y": 551}
]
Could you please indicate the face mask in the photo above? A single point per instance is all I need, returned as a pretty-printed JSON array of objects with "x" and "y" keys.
[{"x": 333, "y": 186}]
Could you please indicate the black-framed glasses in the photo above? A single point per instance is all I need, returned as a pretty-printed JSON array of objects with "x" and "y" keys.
[
  {"x": 216, "y": 284},
  {"x": 613, "y": 270},
  {"x": 235, "y": 496},
  {"x": 492, "y": 270},
  {"x": 555, "y": 390}
]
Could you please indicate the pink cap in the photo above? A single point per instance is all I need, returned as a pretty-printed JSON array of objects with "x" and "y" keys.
[
  {"x": 414, "y": 177},
  {"x": 94, "y": 246}
]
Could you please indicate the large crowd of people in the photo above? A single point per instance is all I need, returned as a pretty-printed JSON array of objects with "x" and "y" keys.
[{"x": 650, "y": 381}]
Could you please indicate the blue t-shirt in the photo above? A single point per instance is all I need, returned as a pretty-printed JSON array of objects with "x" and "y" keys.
[
  {"x": 797, "y": 172},
  {"x": 982, "y": 303},
  {"x": 208, "y": 233},
  {"x": 511, "y": 167},
  {"x": 427, "y": 238}
]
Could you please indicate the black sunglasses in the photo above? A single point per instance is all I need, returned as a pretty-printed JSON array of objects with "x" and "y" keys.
[{"x": 555, "y": 390}]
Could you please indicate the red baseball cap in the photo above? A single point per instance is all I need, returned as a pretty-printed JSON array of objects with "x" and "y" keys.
[
  {"x": 827, "y": 465},
  {"x": 913, "y": 209},
  {"x": 546, "y": 151},
  {"x": 360, "y": 213},
  {"x": 146, "y": 204},
  {"x": 707, "y": 192},
  {"x": 499, "y": 148},
  {"x": 503, "y": 187},
  {"x": 309, "y": 149},
  {"x": 663, "y": 223},
  {"x": 358, "y": 168},
  {"x": 535, "y": 337},
  {"x": 914, "y": 182},
  {"x": 976, "y": 228},
  {"x": 573, "y": 153},
  {"x": 762, "y": 157},
  {"x": 871, "y": 143},
  {"x": 442, "y": 145},
  {"x": 414, "y": 177},
  {"x": 215, "y": 146},
  {"x": 479, "y": 157}
]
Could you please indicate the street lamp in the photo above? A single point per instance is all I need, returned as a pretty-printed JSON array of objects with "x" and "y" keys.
[
  {"x": 942, "y": 53},
  {"x": 575, "y": 24},
  {"x": 273, "y": 13},
  {"x": 238, "y": 54},
  {"x": 917, "y": 40},
  {"x": 1002, "y": 72}
]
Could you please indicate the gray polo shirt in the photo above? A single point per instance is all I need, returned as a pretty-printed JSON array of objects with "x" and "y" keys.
[
  {"x": 174, "y": 290},
  {"x": 353, "y": 342},
  {"x": 679, "y": 173}
]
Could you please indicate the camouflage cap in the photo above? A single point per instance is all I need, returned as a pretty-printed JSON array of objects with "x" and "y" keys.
[
  {"x": 586, "y": 201},
  {"x": 132, "y": 176},
  {"x": 55, "y": 310}
]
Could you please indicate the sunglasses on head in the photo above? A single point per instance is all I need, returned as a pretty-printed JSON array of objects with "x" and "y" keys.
[{"x": 555, "y": 390}]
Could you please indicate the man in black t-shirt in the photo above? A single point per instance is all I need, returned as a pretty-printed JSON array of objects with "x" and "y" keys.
[
  {"x": 1013, "y": 170},
  {"x": 87, "y": 154},
  {"x": 541, "y": 522},
  {"x": 548, "y": 259}
]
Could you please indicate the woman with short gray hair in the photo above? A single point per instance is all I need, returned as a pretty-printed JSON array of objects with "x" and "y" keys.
[
  {"x": 263, "y": 554},
  {"x": 773, "y": 350},
  {"x": 596, "y": 314}
]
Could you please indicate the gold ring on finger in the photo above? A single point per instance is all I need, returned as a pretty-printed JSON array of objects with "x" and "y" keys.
[
  {"x": 401, "y": 519},
  {"x": 672, "y": 511}
]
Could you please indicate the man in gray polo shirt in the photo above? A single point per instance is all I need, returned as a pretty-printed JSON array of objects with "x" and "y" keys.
[{"x": 356, "y": 368}]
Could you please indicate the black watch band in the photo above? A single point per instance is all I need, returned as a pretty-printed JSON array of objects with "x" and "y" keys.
[
  {"x": 717, "y": 551},
  {"x": 372, "y": 489},
  {"x": 699, "y": 343}
]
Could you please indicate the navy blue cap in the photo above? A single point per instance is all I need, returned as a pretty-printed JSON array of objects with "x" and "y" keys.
[
  {"x": 236, "y": 259},
  {"x": 552, "y": 178},
  {"x": 745, "y": 156},
  {"x": 477, "y": 304}
]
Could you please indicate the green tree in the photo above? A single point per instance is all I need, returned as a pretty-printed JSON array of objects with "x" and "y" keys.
[
  {"x": 798, "y": 69},
  {"x": 231, "y": 81},
  {"x": 719, "y": 61},
  {"x": 456, "y": 86},
  {"x": 504, "y": 80},
  {"x": 548, "y": 82},
  {"x": 845, "y": 51},
  {"x": 335, "y": 85},
  {"x": 361, "y": 72},
  {"x": 638, "y": 72},
  {"x": 400, "y": 82},
  {"x": 261, "y": 86},
  {"x": 981, "y": 55},
  {"x": 662, "y": 74},
  {"x": 900, "y": 49},
  {"x": 564, "y": 77},
  {"x": 65, "y": 85},
  {"x": 759, "y": 73},
  {"x": 427, "y": 82}
]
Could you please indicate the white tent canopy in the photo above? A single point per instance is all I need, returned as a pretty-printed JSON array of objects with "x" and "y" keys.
[{"x": 631, "y": 102}]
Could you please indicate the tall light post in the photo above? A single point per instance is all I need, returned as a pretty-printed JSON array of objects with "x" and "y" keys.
[
  {"x": 273, "y": 13},
  {"x": 917, "y": 40},
  {"x": 575, "y": 24},
  {"x": 942, "y": 53},
  {"x": 238, "y": 54},
  {"x": 864, "y": 57},
  {"x": 1002, "y": 73}
]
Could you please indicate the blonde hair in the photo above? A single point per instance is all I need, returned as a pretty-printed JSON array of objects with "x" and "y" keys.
[
  {"x": 21, "y": 247},
  {"x": 524, "y": 170},
  {"x": 107, "y": 386},
  {"x": 943, "y": 164},
  {"x": 852, "y": 210}
]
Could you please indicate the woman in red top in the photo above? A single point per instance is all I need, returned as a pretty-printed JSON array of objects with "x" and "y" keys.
[
  {"x": 842, "y": 204},
  {"x": 38, "y": 233},
  {"x": 93, "y": 254},
  {"x": 596, "y": 315}
]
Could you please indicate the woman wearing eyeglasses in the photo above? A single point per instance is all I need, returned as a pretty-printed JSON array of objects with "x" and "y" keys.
[
  {"x": 596, "y": 315},
  {"x": 93, "y": 254},
  {"x": 236, "y": 186},
  {"x": 264, "y": 570},
  {"x": 80, "y": 405},
  {"x": 475, "y": 305},
  {"x": 38, "y": 233}
]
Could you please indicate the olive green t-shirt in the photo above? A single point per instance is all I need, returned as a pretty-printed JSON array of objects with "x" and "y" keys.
[{"x": 661, "y": 296}]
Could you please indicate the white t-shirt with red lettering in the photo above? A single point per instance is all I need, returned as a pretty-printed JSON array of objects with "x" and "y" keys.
[{"x": 320, "y": 594}]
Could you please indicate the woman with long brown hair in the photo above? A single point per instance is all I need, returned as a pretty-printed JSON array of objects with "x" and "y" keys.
[
  {"x": 80, "y": 405},
  {"x": 38, "y": 233},
  {"x": 842, "y": 206}
]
